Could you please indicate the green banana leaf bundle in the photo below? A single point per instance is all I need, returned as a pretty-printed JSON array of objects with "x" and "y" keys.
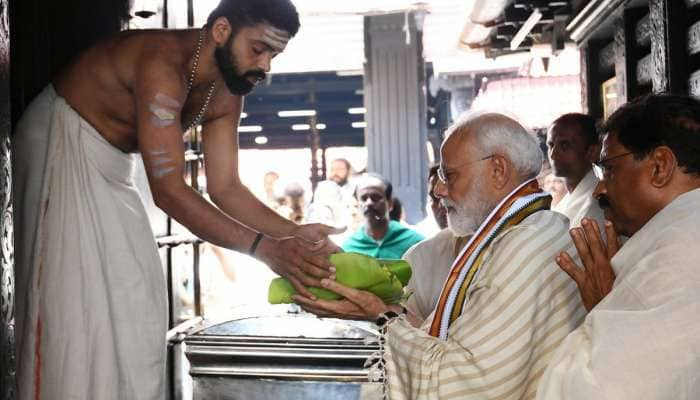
[{"x": 385, "y": 278}]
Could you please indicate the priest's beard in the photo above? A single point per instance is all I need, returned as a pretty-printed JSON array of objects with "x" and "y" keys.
[
  {"x": 236, "y": 83},
  {"x": 465, "y": 217}
]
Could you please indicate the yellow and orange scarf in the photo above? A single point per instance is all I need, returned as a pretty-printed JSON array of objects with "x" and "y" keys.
[{"x": 524, "y": 201}]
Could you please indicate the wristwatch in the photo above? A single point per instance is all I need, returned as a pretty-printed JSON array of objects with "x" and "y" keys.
[{"x": 388, "y": 316}]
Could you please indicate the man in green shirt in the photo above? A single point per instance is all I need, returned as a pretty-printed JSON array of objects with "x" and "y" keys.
[{"x": 379, "y": 236}]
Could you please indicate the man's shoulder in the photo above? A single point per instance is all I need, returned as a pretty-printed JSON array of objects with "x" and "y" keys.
[
  {"x": 542, "y": 224},
  {"x": 357, "y": 238},
  {"x": 404, "y": 232},
  {"x": 129, "y": 56},
  {"x": 532, "y": 245},
  {"x": 545, "y": 219},
  {"x": 147, "y": 45},
  {"x": 441, "y": 240}
]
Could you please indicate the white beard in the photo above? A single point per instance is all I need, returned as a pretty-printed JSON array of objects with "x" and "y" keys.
[{"x": 464, "y": 218}]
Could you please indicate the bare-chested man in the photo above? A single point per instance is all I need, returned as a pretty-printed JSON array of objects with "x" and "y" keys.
[{"x": 91, "y": 304}]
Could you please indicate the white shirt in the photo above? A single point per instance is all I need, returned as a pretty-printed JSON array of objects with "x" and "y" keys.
[
  {"x": 642, "y": 341},
  {"x": 430, "y": 260},
  {"x": 580, "y": 203}
]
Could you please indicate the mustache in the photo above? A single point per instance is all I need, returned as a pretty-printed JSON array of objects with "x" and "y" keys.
[
  {"x": 371, "y": 212},
  {"x": 368, "y": 210},
  {"x": 256, "y": 73},
  {"x": 603, "y": 202},
  {"x": 447, "y": 203}
]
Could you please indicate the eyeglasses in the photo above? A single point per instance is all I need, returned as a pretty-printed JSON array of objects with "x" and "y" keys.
[
  {"x": 442, "y": 173},
  {"x": 600, "y": 168}
]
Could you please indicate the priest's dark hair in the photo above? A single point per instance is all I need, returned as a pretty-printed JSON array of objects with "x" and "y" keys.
[{"x": 240, "y": 13}]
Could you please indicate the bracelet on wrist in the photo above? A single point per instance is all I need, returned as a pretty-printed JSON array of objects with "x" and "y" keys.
[{"x": 255, "y": 244}]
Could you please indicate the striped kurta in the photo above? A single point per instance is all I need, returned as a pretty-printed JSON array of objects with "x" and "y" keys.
[{"x": 519, "y": 309}]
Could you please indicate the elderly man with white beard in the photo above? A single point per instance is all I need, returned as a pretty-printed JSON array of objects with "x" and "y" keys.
[{"x": 505, "y": 305}]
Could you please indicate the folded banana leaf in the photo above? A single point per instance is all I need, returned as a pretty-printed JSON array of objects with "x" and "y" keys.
[{"x": 385, "y": 278}]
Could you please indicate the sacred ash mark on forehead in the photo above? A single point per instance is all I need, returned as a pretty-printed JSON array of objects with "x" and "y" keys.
[{"x": 275, "y": 38}]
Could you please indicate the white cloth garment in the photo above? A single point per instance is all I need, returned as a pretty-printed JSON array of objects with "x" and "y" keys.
[
  {"x": 91, "y": 296},
  {"x": 580, "y": 203},
  {"x": 518, "y": 311},
  {"x": 642, "y": 341},
  {"x": 430, "y": 260}
]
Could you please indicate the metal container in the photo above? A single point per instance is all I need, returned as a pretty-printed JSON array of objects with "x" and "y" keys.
[{"x": 284, "y": 356}]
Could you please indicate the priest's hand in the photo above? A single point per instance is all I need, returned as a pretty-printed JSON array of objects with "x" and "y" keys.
[
  {"x": 595, "y": 280},
  {"x": 358, "y": 304},
  {"x": 314, "y": 237},
  {"x": 300, "y": 266},
  {"x": 303, "y": 257}
]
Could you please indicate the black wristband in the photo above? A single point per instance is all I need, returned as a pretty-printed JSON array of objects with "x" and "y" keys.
[
  {"x": 388, "y": 316},
  {"x": 255, "y": 244}
]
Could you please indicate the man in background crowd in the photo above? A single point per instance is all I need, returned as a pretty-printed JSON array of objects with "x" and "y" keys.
[
  {"x": 436, "y": 220},
  {"x": 340, "y": 172},
  {"x": 432, "y": 258},
  {"x": 572, "y": 143},
  {"x": 379, "y": 236}
]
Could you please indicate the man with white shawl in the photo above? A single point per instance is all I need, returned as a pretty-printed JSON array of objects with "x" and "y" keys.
[
  {"x": 505, "y": 305},
  {"x": 90, "y": 289},
  {"x": 641, "y": 338},
  {"x": 572, "y": 146}
]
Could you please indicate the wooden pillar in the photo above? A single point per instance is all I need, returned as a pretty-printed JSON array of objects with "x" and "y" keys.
[
  {"x": 668, "y": 46},
  {"x": 395, "y": 99},
  {"x": 7, "y": 304},
  {"x": 622, "y": 71},
  {"x": 591, "y": 78},
  {"x": 585, "y": 79}
]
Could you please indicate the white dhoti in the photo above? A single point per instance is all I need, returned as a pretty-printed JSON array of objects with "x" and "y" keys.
[{"x": 90, "y": 291}]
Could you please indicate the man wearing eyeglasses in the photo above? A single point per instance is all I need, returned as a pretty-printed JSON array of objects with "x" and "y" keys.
[
  {"x": 505, "y": 305},
  {"x": 641, "y": 338},
  {"x": 572, "y": 146}
]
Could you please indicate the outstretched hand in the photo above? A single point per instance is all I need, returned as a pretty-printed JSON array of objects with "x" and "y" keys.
[
  {"x": 595, "y": 280},
  {"x": 358, "y": 304},
  {"x": 303, "y": 259}
]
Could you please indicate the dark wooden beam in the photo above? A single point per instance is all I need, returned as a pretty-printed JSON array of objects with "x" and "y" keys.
[
  {"x": 591, "y": 78},
  {"x": 591, "y": 17},
  {"x": 47, "y": 35},
  {"x": 668, "y": 46},
  {"x": 8, "y": 388},
  {"x": 634, "y": 48},
  {"x": 623, "y": 74}
]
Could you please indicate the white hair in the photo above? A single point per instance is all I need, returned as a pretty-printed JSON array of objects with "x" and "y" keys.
[{"x": 497, "y": 133}]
